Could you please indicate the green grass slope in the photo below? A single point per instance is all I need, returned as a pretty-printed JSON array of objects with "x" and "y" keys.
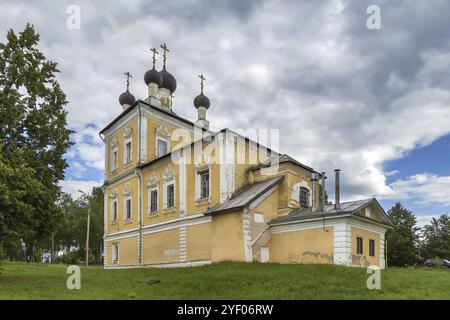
[{"x": 223, "y": 281}]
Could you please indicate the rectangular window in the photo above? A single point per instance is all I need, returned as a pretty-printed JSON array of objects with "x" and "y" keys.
[
  {"x": 170, "y": 196},
  {"x": 114, "y": 159},
  {"x": 128, "y": 209},
  {"x": 161, "y": 148},
  {"x": 204, "y": 184},
  {"x": 128, "y": 152},
  {"x": 304, "y": 197},
  {"x": 114, "y": 211},
  {"x": 115, "y": 253},
  {"x": 359, "y": 245},
  {"x": 372, "y": 248},
  {"x": 153, "y": 201}
]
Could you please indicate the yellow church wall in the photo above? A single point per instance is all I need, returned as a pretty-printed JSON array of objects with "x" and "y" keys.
[
  {"x": 161, "y": 247},
  {"x": 152, "y": 126},
  {"x": 127, "y": 251},
  {"x": 244, "y": 161},
  {"x": 227, "y": 237},
  {"x": 268, "y": 207},
  {"x": 119, "y": 135},
  {"x": 161, "y": 215},
  {"x": 193, "y": 205},
  {"x": 198, "y": 238},
  {"x": 365, "y": 259},
  {"x": 306, "y": 246},
  {"x": 121, "y": 224}
]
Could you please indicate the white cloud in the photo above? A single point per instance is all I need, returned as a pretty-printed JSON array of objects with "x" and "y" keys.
[
  {"x": 73, "y": 187},
  {"x": 426, "y": 188}
]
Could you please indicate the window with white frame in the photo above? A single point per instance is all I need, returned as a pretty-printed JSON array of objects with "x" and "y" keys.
[
  {"x": 304, "y": 197},
  {"x": 128, "y": 146},
  {"x": 114, "y": 155},
  {"x": 115, "y": 253},
  {"x": 170, "y": 195},
  {"x": 114, "y": 210},
  {"x": 127, "y": 207},
  {"x": 153, "y": 199},
  {"x": 161, "y": 147},
  {"x": 128, "y": 152},
  {"x": 203, "y": 184}
]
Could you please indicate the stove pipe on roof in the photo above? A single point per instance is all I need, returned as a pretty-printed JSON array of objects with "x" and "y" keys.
[
  {"x": 313, "y": 192},
  {"x": 337, "y": 204},
  {"x": 323, "y": 190}
]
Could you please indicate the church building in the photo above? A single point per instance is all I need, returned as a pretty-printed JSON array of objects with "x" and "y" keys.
[{"x": 180, "y": 194}]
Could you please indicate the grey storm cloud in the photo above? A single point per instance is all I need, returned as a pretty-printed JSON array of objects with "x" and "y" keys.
[{"x": 342, "y": 95}]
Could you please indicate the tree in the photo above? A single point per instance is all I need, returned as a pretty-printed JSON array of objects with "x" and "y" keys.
[
  {"x": 72, "y": 233},
  {"x": 33, "y": 139},
  {"x": 402, "y": 239},
  {"x": 436, "y": 238}
]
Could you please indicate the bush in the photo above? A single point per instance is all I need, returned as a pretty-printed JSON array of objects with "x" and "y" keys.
[{"x": 71, "y": 258}]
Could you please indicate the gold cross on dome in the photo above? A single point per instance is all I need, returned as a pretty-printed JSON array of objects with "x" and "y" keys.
[
  {"x": 128, "y": 74},
  {"x": 164, "y": 47},
  {"x": 202, "y": 78},
  {"x": 154, "y": 55}
]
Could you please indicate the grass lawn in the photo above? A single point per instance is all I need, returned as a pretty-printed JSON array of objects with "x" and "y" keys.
[{"x": 223, "y": 281}]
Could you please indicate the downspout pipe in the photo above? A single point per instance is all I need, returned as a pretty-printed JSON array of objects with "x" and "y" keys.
[{"x": 138, "y": 173}]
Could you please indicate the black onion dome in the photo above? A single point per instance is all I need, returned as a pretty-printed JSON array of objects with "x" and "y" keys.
[
  {"x": 168, "y": 80},
  {"x": 153, "y": 76},
  {"x": 201, "y": 101},
  {"x": 126, "y": 98}
]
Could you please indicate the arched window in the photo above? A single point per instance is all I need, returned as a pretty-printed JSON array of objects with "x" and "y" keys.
[{"x": 304, "y": 197}]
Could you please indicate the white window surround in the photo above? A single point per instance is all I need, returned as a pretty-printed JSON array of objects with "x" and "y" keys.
[
  {"x": 127, "y": 139},
  {"x": 114, "y": 156},
  {"x": 114, "y": 204},
  {"x": 163, "y": 134},
  {"x": 295, "y": 194},
  {"x": 127, "y": 195},
  {"x": 169, "y": 179},
  {"x": 115, "y": 253},
  {"x": 166, "y": 184},
  {"x": 151, "y": 189},
  {"x": 198, "y": 192}
]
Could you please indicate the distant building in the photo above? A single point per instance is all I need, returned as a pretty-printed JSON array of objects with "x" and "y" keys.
[{"x": 178, "y": 194}]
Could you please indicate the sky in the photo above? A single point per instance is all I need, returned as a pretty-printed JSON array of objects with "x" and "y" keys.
[{"x": 373, "y": 102}]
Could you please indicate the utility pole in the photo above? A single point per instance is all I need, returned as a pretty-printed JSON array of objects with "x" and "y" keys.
[
  {"x": 86, "y": 262},
  {"x": 87, "y": 234}
]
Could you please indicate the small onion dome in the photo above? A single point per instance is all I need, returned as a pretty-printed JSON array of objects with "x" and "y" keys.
[
  {"x": 168, "y": 80},
  {"x": 126, "y": 98},
  {"x": 201, "y": 101},
  {"x": 153, "y": 76}
]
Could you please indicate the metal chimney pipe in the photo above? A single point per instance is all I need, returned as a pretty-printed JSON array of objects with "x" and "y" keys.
[
  {"x": 337, "y": 204},
  {"x": 323, "y": 189},
  {"x": 314, "y": 190}
]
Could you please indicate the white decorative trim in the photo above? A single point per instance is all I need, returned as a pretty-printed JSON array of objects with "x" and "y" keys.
[
  {"x": 143, "y": 144},
  {"x": 182, "y": 182},
  {"x": 227, "y": 165},
  {"x": 174, "y": 224},
  {"x": 295, "y": 192},
  {"x": 127, "y": 139},
  {"x": 342, "y": 244},
  {"x": 162, "y": 133},
  {"x": 200, "y": 169},
  {"x": 246, "y": 224},
  {"x": 122, "y": 234},
  {"x": 182, "y": 244},
  {"x": 150, "y": 189},
  {"x": 164, "y": 265}
]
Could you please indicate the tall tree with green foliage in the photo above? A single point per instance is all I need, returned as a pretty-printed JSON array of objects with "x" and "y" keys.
[
  {"x": 402, "y": 239},
  {"x": 33, "y": 139},
  {"x": 436, "y": 238}
]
